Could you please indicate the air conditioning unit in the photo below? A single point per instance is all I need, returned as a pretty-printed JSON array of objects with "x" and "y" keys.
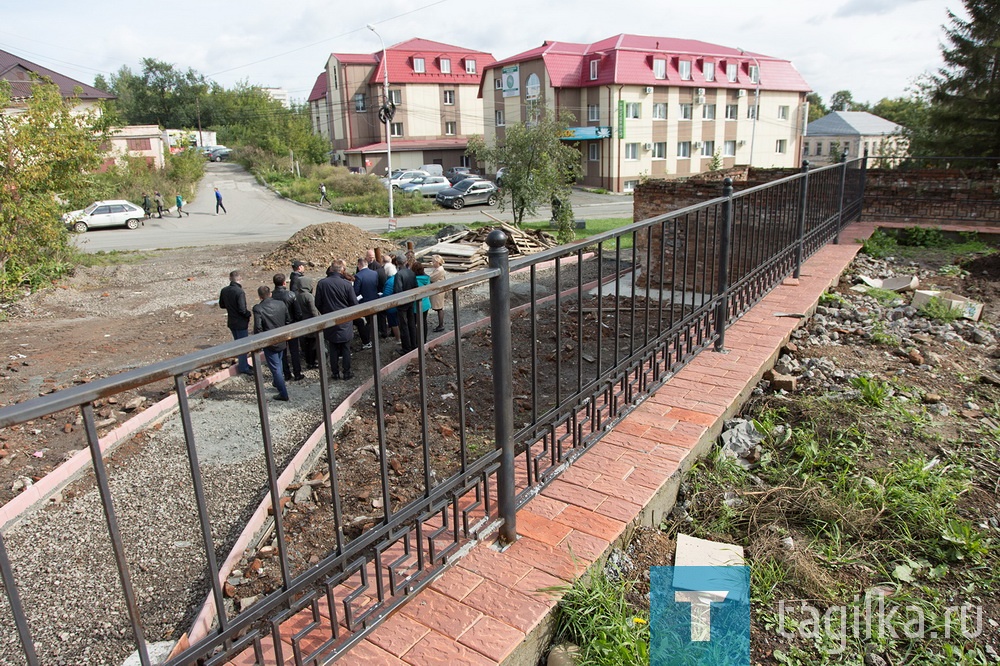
[
  {"x": 699, "y": 99},
  {"x": 696, "y": 145},
  {"x": 647, "y": 146},
  {"x": 649, "y": 90},
  {"x": 741, "y": 93},
  {"x": 701, "y": 92}
]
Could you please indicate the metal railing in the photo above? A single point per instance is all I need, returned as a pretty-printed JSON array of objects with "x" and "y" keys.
[{"x": 577, "y": 336}]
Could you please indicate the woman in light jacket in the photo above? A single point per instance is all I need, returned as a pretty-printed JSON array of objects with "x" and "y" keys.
[{"x": 437, "y": 300}]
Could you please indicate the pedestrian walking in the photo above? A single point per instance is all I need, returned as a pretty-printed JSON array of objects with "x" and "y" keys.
[
  {"x": 233, "y": 300},
  {"x": 322, "y": 194},
  {"x": 146, "y": 205},
  {"x": 158, "y": 198},
  {"x": 180, "y": 206},
  {"x": 218, "y": 202}
]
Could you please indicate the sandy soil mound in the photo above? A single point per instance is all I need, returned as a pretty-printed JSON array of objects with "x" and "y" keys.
[{"x": 319, "y": 244}]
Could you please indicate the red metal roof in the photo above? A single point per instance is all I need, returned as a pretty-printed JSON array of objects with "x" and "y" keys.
[
  {"x": 628, "y": 59},
  {"x": 401, "y": 62},
  {"x": 319, "y": 88},
  {"x": 404, "y": 145},
  {"x": 12, "y": 66}
]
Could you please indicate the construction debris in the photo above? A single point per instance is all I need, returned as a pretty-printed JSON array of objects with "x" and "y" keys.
[{"x": 467, "y": 250}]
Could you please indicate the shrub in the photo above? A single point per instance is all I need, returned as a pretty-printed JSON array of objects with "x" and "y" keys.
[{"x": 377, "y": 204}]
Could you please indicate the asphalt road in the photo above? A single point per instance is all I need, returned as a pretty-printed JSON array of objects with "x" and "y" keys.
[{"x": 255, "y": 214}]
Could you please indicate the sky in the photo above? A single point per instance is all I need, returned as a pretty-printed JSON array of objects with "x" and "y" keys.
[{"x": 874, "y": 48}]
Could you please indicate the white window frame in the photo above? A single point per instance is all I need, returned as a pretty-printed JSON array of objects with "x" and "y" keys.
[
  {"x": 683, "y": 150},
  {"x": 633, "y": 110},
  {"x": 659, "y": 68},
  {"x": 631, "y": 152},
  {"x": 446, "y": 65},
  {"x": 781, "y": 146},
  {"x": 470, "y": 66},
  {"x": 593, "y": 112},
  {"x": 751, "y": 112},
  {"x": 594, "y": 152},
  {"x": 630, "y": 185},
  {"x": 729, "y": 148},
  {"x": 659, "y": 110},
  {"x": 360, "y": 102},
  {"x": 497, "y": 84},
  {"x": 754, "y": 73},
  {"x": 684, "y": 69},
  {"x": 395, "y": 129},
  {"x": 708, "y": 112},
  {"x": 687, "y": 111},
  {"x": 396, "y": 97},
  {"x": 783, "y": 112},
  {"x": 418, "y": 65},
  {"x": 449, "y": 98},
  {"x": 593, "y": 69},
  {"x": 732, "y": 111},
  {"x": 819, "y": 149},
  {"x": 708, "y": 148},
  {"x": 659, "y": 150},
  {"x": 498, "y": 117},
  {"x": 450, "y": 125},
  {"x": 732, "y": 71},
  {"x": 708, "y": 69}
]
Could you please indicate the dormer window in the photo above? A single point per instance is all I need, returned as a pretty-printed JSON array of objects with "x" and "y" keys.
[
  {"x": 418, "y": 65},
  {"x": 593, "y": 70},
  {"x": 446, "y": 65},
  {"x": 731, "y": 72},
  {"x": 470, "y": 66},
  {"x": 659, "y": 68},
  {"x": 684, "y": 67},
  {"x": 708, "y": 69},
  {"x": 754, "y": 74}
]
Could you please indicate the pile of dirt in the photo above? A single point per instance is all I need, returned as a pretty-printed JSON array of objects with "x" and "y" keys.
[{"x": 317, "y": 245}]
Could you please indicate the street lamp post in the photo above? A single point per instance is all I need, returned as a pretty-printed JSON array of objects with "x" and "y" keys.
[
  {"x": 387, "y": 117},
  {"x": 756, "y": 108}
]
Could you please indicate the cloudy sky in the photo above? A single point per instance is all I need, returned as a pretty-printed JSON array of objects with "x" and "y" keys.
[{"x": 875, "y": 48}]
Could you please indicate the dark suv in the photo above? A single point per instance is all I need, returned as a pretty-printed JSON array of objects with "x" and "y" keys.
[{"x": 469, "y": 191}]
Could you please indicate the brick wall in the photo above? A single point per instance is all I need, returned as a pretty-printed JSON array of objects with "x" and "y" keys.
[{"x": 933, "y": 196}]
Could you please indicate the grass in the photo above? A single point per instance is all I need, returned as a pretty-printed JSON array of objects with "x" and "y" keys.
[
  {"x": 594, "y": 227},
  {"x": 940, "y": 310},
  {"x": 916, "y": 241}
]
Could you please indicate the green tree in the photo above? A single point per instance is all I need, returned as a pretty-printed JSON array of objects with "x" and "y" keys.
[
  {"x": 46, "y": 152},
  {"x": 158, "y": 95},
  {"x": 817, "y": 109},
  {"x": 964, "y": 118},
  {"x": 538, "y": 164}
]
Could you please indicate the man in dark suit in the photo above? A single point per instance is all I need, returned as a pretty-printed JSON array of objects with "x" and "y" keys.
[
  {"x": 268, "y": 315},
  {"x": 335, "y": 292},
  {"x": 366, "y": 289},
  {"x": 405, "y": 279},
  {"x": 292, "y": 361},
  {"x": 233, "y": 300}
]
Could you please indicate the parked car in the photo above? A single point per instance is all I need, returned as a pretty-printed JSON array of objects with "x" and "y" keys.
[
  {"x": 219, "y": 154},
  {"x": 469, "y": 191},
  {"x": 206, "y": 150},
  {"x": 427, "y": 186},
  {"x": 116, "y": 213},
  {"x": 458, "y": 174},
  {"x": 401, "y": 177}
]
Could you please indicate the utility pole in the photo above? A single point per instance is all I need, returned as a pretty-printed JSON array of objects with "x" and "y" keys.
[{"x": 197, "y": 106}]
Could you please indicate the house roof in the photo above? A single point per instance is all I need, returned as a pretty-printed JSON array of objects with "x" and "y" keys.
[
  {"x": 17, "y": 70},
  {"x": 319, "y": 88},
  {"x": 404, "y": 145},
  {"x": 852, "y": 123},
  {"x": 401, "y": 62},
  {"x": 628, "y": 59}
]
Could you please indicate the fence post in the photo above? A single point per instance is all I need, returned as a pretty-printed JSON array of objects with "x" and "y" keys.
[
  {"x": 864, "y": 183},
  {"x": 801, "y": 233},
  {"x": 722, "y": 309},
  {"x": 840, "y": 212},
  {"x": 503, "y": 383}
]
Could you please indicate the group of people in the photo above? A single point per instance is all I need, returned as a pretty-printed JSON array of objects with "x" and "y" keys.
[
  {"x": 375, "y": 277},
  {"x": 147, "y": 205}
]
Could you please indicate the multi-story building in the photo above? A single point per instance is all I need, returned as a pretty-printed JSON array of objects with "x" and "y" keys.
[
  {"x": 435, "y": 90},
  {"x": 654, "y": 107},
  {"x": 854, "y": 133}
]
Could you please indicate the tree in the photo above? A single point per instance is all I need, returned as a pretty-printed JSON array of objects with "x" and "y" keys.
[
  {"x": 843, "y": 100},
  {"x": 46, "y": 152},
  {"x": 538, "y": 164},
  {"x": 817, "y": 109},
  {"x": 964, "y": 117},
  {"x": 159, "y": 95}
]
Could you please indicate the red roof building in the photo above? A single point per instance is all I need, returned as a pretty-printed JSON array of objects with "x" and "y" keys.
[
  {"x": 654, "y": 106},
  {"x": 434, "y": 89},
  {"x": 23, "y": 74}
]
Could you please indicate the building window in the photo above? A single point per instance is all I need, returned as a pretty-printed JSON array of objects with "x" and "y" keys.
[
  {"x": 593, "y": 112},
  {"x": 729, "y": 149},
  {"x": 499, "y": 117},
  {"x": 708, "y": 112},
  {"x": 497, "y": 84},
  {"x": 593, "y": 70},
  {"x": 659, "y": 68},
  {"x": 630, "y": 185},
  {"x": 396, "y": 97},
  {"x": 819, "y": 148},
  {"x": 465, "y": 161},
  {"x": 138, "y": 144},
  {"x": 396, "y": 129},
  {"x": 418, "y": 65},
  {"x": 686, "y": 111},
  {"x": 708, "y": 149},
  {"x": 708, "y": 69},
  {"x": 731, "y": 72},
  {"x": 805, "y": 150},
  {"x": 449, "y": 128},
  {"x": 446, "y": 65},
  {"x": 751, "y": 112},
  {"x": 359, "y": 102},
  {"x": 594, "y": 151},
  {"x": 632, "y": 109},
  {"x": 470, "y": 66},
  {"x": 781, "y": 146},
  {"x": 631, "y": 151},
  {"x": 659, "y": 111},
  {"x": 782, "y": 113},
  {"x": 660, "y": 150},
  {"x": 449, "y": 97},
  {"x": 683, "y": 149},
  {"x": 685, "y": 70},
  {"x": 732, "y": 111},
  {"x": 754, "y": 74}
]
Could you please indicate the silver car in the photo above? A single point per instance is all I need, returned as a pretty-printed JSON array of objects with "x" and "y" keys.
[
  {"x": 427, "y": 186},
  {"x": 116, "y": 213}
]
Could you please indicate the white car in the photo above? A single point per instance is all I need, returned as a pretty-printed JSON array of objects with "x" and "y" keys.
[
  {"x": 116, "y": 213},
  {"x": 402, "y": 177},
  {"x": 427, "y": 186}
]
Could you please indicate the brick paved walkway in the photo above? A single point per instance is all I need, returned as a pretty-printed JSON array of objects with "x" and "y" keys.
[{"x": 487, "y": 608}]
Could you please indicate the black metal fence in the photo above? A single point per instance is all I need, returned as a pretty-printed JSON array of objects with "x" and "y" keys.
[{"x": 442, "y": 448}]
